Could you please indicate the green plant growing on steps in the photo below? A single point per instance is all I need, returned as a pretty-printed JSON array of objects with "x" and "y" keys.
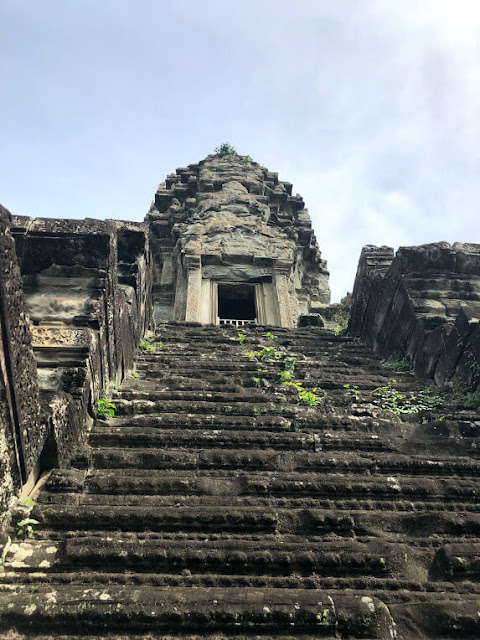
[
  {"x": 397, "y": 365},
  {"x": 29, "y": 502},
  {"x": 468, "y": 399},
  {"x": 305, "y": 397},
  {"x": 471, "y": 400},
  {"x": 298, "y": 386},
  {"x": 309, "y": 398},
  {"x": 289, "y": 363},
  {"x": 289, "y": 368},
  {"x": 351, "y": 392},
  {"x": 148, "y": 346},
  {"x": 257, "y": 411},
  {"x": 134, "y": 374},
  {"x": 25, "y": 527},
  {"x": 341, "y": 328},
  {"x": 225, "y": 149},
  {"x": 287, "y": 377},
  {"x": 242, "y": 337},
  {"x": 105, "y": 408},
  {"x": 266, "y": 353},
  {"x": 393, "y": 401},
  {"x": 269, "y": 336},
  {"x": 326, "y": 618}
]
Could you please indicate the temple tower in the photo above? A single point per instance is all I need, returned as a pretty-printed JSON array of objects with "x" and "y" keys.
[{"x": 231, "y": 245}]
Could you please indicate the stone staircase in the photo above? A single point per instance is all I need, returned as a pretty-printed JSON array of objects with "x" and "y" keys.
[{"x": 215, "y": 506}]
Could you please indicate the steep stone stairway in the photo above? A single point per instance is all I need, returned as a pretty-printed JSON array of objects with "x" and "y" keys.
[{"x": 214, "y": 505}]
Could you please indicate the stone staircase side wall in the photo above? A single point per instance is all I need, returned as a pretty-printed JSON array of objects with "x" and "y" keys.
[
  {"x": 87, "y": 292},
  {"x": 422, "y": 304},
  {"x": 22, "y": 431}
]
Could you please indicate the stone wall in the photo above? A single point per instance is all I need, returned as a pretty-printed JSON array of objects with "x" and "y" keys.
[
  {"x": 22, "y": 431},
  {"x": 422, "y": 305},
  {"x": 87, "y": 292}
]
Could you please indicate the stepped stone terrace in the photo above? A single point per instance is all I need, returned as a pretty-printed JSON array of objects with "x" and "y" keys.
[{"x": 194, "y": 444}]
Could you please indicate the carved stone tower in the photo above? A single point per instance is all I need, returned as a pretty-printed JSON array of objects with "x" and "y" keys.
[{"x": 231, "y": 245}]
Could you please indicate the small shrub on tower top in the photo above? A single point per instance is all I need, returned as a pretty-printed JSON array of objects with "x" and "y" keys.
[{"x": 225, "y": 149}]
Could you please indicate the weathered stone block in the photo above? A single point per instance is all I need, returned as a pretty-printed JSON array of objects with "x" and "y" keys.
[{"x": 422, "y": 304}]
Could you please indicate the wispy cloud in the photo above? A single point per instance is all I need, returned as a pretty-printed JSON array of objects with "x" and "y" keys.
[{"x": 369, "y": 107}]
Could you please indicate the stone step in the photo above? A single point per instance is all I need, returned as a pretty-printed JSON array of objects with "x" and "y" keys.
[
  {"x": 210, "y": 507},
  {"x": 434, "y": 614},
  {"x": 181, "y": 636},
  {"x": 74, "y": 609},
  {"x": 259, "y": 519},
  {"x": 177, "y": 375},
  {"x": 171, "y": 381},
  {"x": 267, "y": 406},
  {"x": 188, "y": 421},
  {"x": 280, "y": 484},
  {"x": 147, "y": 518},
  {"x": 118, "y": 553},
  {"x": 304, "y": 438},
  {"x": 240, "y": 362},
  {"x": 154, "y": 395},
  {"x": 241, "y": 355},
  {"x": 460, "y": 561},
  {"x": 390, "y": 589},
  {"x": 341, "y": 503},
  {"x": 271, "y": 460},
  {"x": 327, "y": 425},
  {"x": 133, "y": 437},
  {"x": 204, "y": 332},
  {"x": 178, "y": 379}
]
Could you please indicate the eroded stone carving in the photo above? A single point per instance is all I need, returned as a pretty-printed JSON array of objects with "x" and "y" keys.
[
  {"x": 86, "y": 287},
  {"x": 422, "y": 304},
  {"x": 22, "y": 429},
  {"x": 241, "y": 221}
]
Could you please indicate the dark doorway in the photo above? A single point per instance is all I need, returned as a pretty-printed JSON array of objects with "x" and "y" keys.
[{"x": 236, "y": 301}]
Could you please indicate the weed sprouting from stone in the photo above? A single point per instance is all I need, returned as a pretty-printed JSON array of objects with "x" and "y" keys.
[
  {"x": 393, "y": 401},
  {"x": 305, "y": 397},
  {"x": 148, "y": 346},
  {"x": 289, "y": 363},
  {"x": 269, "y": 336},
  {"x": 266, "y": 353},
  {"x": 352, "y": 392},
  {"x": 464, "y": 396},
  {"x": 341, "y": 328},
  {"x": 286, "y": 377},
  {"x": 397, "y": 365},
  {"x": 25, "y": 527},
  {"x": 105, "y": 408}
]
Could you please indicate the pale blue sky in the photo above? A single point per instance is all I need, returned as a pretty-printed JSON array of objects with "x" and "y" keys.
[{"x": 370, "y": 107}]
